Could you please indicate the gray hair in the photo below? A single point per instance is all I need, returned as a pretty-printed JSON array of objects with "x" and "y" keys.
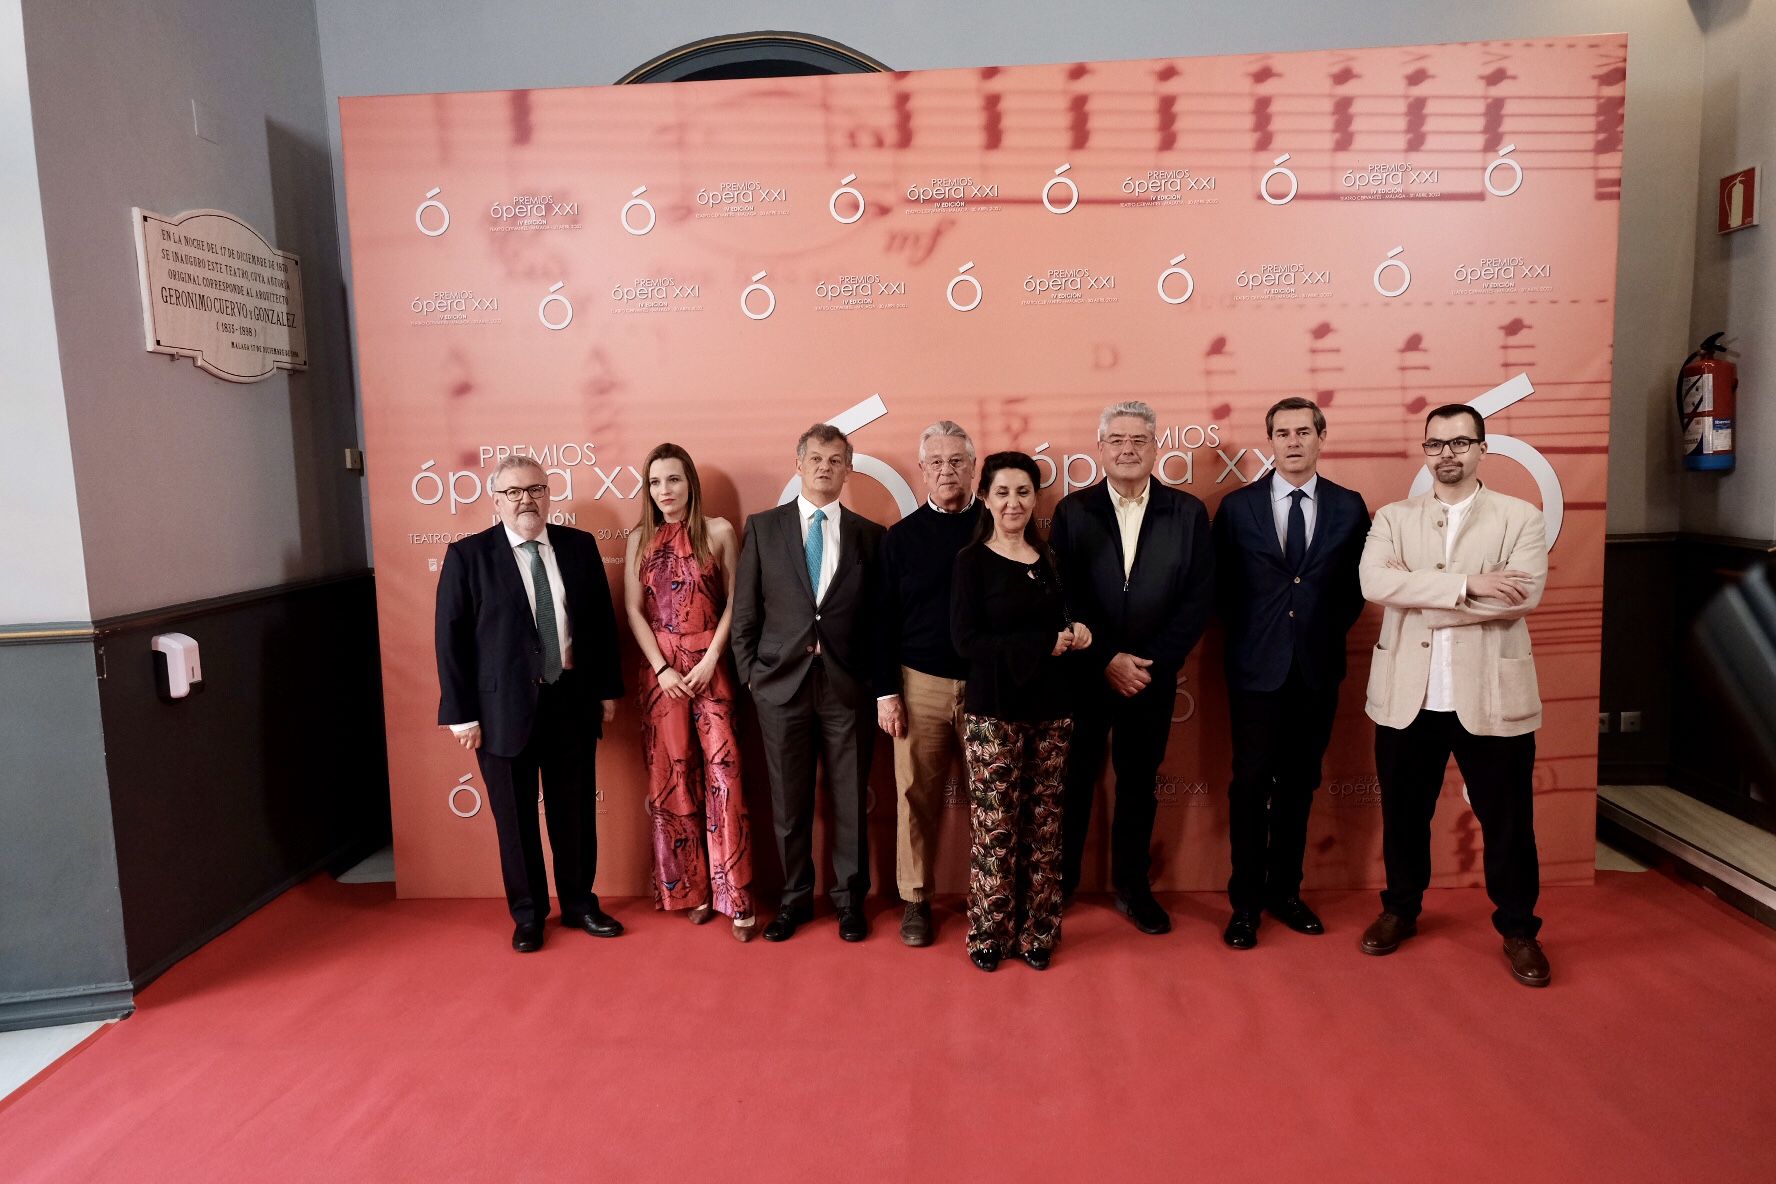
[
  {"x": 823, "y": 433},
  {"x": 1129, "y": 409},
  {"x": 516, "y": 460},
  {"x": 945, "y": 428}
]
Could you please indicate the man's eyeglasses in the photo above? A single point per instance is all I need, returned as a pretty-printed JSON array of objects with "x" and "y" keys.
[
  {"x": 518, "y": 493},
  {"x": 1120, "y": 441},
  {"x": 1458, "y": 446},
  {"x": 939, "y": 465}
]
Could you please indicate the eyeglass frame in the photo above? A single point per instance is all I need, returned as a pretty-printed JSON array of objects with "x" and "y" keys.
[
  {"x": 514, "y": 493},
  {"x": 1457, "y": 446}
]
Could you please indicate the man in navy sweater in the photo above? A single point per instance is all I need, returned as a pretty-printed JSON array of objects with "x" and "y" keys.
[
  {"x": 921, "y": 675},
  {"x": 1286, "y": 552}
]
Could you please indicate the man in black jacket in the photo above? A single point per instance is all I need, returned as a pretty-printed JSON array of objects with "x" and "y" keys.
[
  {"x": 1286, "y": 552},
  {"x": 1137, "y": 566},
  {"x": 528, "y": 675},
  {"x": 804, "y": 644}
]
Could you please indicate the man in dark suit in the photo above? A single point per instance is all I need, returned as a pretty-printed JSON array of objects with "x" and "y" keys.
[
  {"x": 528, "y": 674},
  {"x": 1137, "y": 566},
  {"x": 1286, "y": 552},
  {"x": 804, "y": 644}
]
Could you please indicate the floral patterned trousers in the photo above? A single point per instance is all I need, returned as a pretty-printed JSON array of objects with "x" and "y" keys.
[{"x": 1014, "y": 869}]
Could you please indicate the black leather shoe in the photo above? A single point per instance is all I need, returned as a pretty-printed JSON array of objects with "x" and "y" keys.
[
  {"x": 1385, "y": 934},
  {"x": 987, "y": 960},
  {"x": 597, "y": 922},
  {"x": 1242, "y": 932},
  {"x": 852, "y": 926},
  {"x": 784, "y": 925},
  {"x": 1144, "y": 911},
  {"x": 1038, "y": 959},
  {"x": 1297, "y": 916},
  {"x": 527, "y": 939},
  {"x": 1529, "y": 965}
]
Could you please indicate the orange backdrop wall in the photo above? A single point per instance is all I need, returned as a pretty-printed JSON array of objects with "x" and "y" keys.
[{"x": 579, "y": 274}]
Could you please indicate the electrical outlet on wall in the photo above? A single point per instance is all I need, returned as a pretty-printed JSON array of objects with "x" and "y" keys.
[{"x": 1631, "y": 721}]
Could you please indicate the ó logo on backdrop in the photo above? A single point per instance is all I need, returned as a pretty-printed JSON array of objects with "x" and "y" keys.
[
  {"x": 1060, "y": 181},
  {"x": 1514, "y": 390},
  {"x": 1176, "y": 272},
  {"x": 747, "y": 304},
  {"x": 1495, "y": 185},
  {"x": 1286, "y": 176},
  {"x": 850, "y": 421},
  {"x": 440, "y": 214},
  {"x": 563, "y": 312},
  {"x": 637, "y": 202},
  {"x": 1392, "y": 285},
  {"x": 462, "y": 786},
  {"x": 956, "y": 281},
  {"x": 845, "y": 190}
]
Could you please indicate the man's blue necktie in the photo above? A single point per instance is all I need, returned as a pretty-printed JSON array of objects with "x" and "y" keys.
[{"x": 815, "y": 549}]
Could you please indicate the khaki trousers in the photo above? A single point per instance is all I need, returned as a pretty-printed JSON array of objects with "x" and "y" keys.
[{"x": 926, "y": 760}]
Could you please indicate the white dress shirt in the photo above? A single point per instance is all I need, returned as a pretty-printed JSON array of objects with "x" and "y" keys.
[
  {"x": 1440, "y": 691},
  {"x": 1280, "y": 489},
  {"x": 829, "y": 550},
  {"x": 1129, "y": 512},
  {"x": 557, "y": 593}
]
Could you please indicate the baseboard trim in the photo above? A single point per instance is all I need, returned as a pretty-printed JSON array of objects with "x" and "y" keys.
[
  {"x": 76, "y": 1005},
  {"x": 331, "y": 859}
]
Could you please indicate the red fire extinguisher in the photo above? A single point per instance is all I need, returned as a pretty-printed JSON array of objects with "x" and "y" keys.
[{"x": 1706, "y": 390}]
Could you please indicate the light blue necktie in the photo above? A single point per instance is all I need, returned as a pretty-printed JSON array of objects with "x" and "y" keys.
[
  {"x": 545, "y": 615},
  {"x": 815, "y": 549}
]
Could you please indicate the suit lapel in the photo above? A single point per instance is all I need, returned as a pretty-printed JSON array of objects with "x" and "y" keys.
[
  {"x": 505, "y": 575},
  {"x": 1149, "y": 520},
  {"x": 789, "y": 523},
  {"x": 567, "y": 562},
  {"x": 842, "y": 564},
  {"x": 1326, "y": 518},
  {"x": 1264, "y": 520},
  {"x": 1100, "y": 501}
]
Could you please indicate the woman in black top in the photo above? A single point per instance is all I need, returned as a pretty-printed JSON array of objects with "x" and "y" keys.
[{"x": 1008, "y": 618}]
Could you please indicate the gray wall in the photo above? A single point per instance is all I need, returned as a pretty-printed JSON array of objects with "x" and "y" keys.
[
  {"x": 1735, "y": 277},
  {"x": 45, "y": 574},
  {"x": 394, "y": 46},
  {"x": 189, "y": 486},
  {"x": 61, "y": 919},
  {"x": 61, "y": 914}
]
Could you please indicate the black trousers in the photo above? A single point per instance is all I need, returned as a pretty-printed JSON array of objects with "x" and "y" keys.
[
  {"x": 814, "y": 727},
  {"x": 1134, "y": 731},
  {"x": 563, "y": 751},
  {"x": 1279, "y": 741},
  {"x": 1500, "y": 775}
]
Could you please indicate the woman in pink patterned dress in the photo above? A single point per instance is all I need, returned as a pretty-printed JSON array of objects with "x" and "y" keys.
[{"x": 678, "y": 581}]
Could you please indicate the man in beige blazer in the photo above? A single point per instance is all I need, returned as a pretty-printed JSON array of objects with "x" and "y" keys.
[{"x": 1457, "y": 571}]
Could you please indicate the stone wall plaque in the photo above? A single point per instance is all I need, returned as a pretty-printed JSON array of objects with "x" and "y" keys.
[{"x": 214, "y": 291}]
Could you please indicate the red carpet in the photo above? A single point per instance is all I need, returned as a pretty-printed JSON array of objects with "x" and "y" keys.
[{"x": 342, "y": 1035}]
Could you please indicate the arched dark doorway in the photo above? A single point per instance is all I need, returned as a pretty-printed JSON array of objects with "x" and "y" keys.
[{"x": 754, "y": 55}]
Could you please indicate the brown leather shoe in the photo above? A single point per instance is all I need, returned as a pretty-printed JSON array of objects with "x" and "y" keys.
[
  {"x": 1529, "y": 965},
  {"x": 916, "y": 927},
  {"x": 1385, "y": 934}
]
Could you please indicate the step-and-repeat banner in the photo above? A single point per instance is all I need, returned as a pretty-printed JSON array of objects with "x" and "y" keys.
[{"x": 579, "y": 274}]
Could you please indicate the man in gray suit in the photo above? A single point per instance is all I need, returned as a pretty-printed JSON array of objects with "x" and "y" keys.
[{"x": 803, "y": 643}]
